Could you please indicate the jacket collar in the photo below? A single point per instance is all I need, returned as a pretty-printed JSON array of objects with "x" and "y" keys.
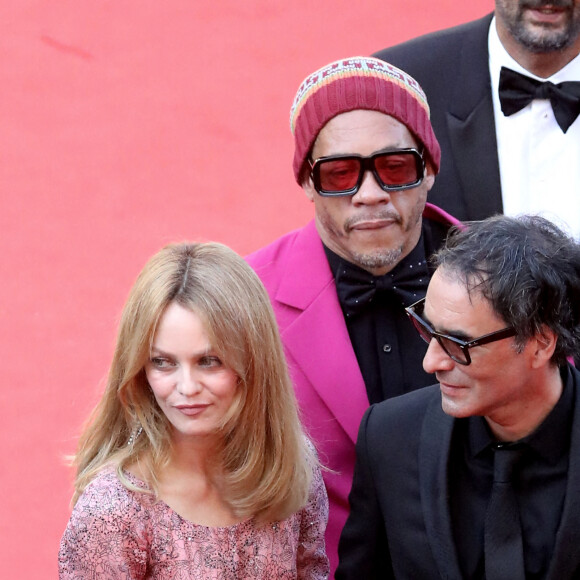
[
  {"x": 434, "y": 453},
  {"x": 471, "y": 125}
]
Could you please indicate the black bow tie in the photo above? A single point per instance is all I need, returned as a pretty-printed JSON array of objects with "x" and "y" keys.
[
  {"x": 516, "y": 91},
  {"x": 357, "y": 288}
]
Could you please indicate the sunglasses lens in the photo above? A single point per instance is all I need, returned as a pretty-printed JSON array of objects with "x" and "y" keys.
[
  {"x": 336, "y": 175},
  {"x": 398, "y": 169},
  {"x": 453, "y": 350},
  {"x": 423, "y": 331}
]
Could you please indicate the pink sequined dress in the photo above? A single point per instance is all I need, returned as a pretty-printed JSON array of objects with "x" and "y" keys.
[{"x": 116, "y": 533}]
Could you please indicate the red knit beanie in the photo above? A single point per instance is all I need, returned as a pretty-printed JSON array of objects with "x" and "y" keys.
[{"x": 359, "y": 83}]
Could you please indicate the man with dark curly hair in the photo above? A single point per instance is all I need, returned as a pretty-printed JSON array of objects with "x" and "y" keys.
[{"x": 478, "y": 476}]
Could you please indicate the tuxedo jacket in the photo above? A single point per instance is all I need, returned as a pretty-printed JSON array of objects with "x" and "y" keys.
[
  {"x": 452, "y": 67},
  {"x": 400, "y": 522},
  {"x": 327, "y": 379}
]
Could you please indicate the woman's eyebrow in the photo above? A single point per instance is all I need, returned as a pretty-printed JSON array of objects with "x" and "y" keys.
[{"x": 208, "y": 350}]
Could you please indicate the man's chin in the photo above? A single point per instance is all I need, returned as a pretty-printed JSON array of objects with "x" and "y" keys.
[
  {"x": 377, "y": 260},
  {"x": 454, "y": 408},
  {"x": 539, "y": 37}
]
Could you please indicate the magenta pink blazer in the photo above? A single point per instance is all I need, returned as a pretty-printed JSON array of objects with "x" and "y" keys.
[{"x": 327, "y": 379}]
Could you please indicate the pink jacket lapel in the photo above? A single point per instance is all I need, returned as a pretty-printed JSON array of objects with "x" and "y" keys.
[{"x": 318, "y": 340}]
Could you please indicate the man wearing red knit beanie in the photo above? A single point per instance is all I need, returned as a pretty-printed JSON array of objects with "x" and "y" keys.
[{"x": 366, "y": 156}]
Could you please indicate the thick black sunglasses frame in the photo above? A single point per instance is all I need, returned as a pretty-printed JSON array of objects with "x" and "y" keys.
[
  {"x": 464, "y": 346},
  {"x": 367, "y": 164}
]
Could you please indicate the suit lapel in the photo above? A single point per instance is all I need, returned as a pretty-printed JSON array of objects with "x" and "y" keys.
[
  {"x": 317, "y": 340},
  {"x": 471, "y": 126},
  {"x": 434, "y": 485},
  {"x": 566, "y": 556}
]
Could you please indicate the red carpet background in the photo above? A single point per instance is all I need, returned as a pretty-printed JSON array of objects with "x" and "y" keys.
[{"x": 124, "y": 126}]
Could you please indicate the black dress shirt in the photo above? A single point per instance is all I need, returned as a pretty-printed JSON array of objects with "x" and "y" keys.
[
  {"x": 540, "y": 486},
  {"x": 388, "y": 349}
]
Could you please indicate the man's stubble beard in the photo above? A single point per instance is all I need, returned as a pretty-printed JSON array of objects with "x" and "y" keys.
[
  {"x": 388, "y": 258},
  {"x": 382, "y": 258},
  {"x": 542, "y": 40}
]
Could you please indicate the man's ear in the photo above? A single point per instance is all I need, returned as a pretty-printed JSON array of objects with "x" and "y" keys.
[
  {"x": 308, "y": 188},
  {"x": 544, "y": 344},
  {"x": 429, "y": 178}
]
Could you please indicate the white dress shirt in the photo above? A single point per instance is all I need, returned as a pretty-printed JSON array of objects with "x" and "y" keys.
[{"x": 539, "y": 164}]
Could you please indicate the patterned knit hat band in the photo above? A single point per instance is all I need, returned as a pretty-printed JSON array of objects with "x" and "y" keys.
[{"x": 358, "y": 83}]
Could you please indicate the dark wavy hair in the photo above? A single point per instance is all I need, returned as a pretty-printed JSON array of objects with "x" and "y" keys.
[{"x": 528, "y": 269}]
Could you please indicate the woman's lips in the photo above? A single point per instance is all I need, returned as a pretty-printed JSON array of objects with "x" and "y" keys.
[{"x": 192, "y": 410}]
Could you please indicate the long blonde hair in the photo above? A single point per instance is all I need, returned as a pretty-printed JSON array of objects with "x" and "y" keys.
[{"x": 265, "y": 462}]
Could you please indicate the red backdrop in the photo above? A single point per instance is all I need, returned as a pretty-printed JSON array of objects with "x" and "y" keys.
[{"x": 124, "y": 126}]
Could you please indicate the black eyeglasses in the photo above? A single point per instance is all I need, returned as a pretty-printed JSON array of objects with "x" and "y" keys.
[
  {"x": 393, "y": 170},
  {"x": 456, "y": 348}
]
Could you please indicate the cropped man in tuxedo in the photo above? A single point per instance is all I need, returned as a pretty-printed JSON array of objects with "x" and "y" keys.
[
  {"x": 514, "y": 155},
  {"x": 479, "y": 476},
  {"x": 366, "y": 157}
]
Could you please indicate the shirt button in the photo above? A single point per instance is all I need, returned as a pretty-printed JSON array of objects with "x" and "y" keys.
[{"x": 387, "y": 348}]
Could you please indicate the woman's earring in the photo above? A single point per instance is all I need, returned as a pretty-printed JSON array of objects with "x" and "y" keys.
[{"x": 134, "y": 436}]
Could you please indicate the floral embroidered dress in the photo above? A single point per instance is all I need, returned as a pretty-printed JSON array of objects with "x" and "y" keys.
[{"x": 116, "y": 533}]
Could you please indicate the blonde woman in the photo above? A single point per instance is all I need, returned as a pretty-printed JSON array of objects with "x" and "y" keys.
[{"x": 194, "y": 463}]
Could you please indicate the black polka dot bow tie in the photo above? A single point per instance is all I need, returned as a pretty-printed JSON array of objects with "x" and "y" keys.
[
  {"x": 517, "y": 90},
  {"x": 357, "y": 288}
]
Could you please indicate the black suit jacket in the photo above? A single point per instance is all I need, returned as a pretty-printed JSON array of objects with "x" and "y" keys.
[
  {"x": 399, "y": 526},
  {"x": 452, "y": 66}
]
